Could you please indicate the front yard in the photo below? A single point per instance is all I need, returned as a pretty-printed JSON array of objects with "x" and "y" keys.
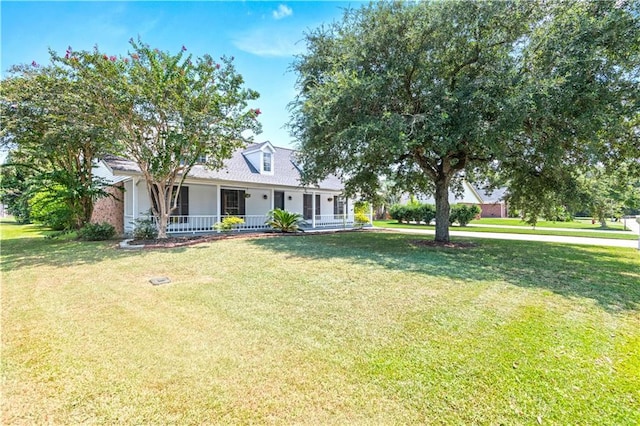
[{"x": 360, "y": 327}]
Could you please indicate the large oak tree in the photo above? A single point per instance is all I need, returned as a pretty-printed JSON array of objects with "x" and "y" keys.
[{"x": 424, "y": 93}]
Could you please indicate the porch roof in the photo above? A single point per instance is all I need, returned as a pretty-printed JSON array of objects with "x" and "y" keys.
[{"x": 239, "y": 169}]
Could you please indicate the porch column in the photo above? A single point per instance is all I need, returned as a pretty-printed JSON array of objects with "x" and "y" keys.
[
  {"x": 134, "y": 198},
  {"x": 345, "y": 212},
  {"x": 313, "y": 209},
  {"x": 218, "y": 205}
]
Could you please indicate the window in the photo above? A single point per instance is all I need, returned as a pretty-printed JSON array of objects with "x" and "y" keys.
[
  {"x": 266, "y": 162},
  {"x": 339, "y": 206},
  {"x": 232, "y": 202},
  {"x": 317, "y": 204}
]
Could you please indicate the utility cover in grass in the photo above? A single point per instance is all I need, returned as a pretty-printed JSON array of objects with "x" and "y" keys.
[{"x": 160, "y": 280}]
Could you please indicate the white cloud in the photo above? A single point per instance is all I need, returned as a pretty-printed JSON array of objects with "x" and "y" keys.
[
  {"x": 282, "y": 12},
  {"x": 269, "y": 43}
]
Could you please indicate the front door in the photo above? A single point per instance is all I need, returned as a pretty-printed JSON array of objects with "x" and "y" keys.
[
  {"x": 307, "y": 207},
  {"x": 278, "y": 200}
]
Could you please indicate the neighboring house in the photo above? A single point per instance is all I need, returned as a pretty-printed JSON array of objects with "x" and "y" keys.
[
  {"x": 252, "y": 182},
  {"x": 492, "y": 205}
]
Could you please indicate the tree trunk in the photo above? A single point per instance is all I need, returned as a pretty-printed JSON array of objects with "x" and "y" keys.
[
  {"x": 442, "y": 210},
  {"x": 160, "y": 206}
]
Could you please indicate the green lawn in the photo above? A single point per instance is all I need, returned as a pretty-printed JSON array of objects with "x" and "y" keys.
[
  {"x": 347, "y": 328},
  {"x": 527, "y": 230},
  {"x": 575, "y": 224}
]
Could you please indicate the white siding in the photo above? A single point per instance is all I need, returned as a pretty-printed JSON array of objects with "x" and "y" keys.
[
  {"x": 256, "y": 204},
  {"x": 202, "y": 199},
  {"x": 295, "y": 204}
]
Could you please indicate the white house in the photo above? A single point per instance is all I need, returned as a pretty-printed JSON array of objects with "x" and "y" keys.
[
  {"x": 492, "y": 204},
  {"x": 252, "y": 182}
]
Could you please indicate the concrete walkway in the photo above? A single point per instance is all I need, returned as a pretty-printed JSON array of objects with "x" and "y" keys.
[
  {"x": 526, "y": 237},
  {"x": 542, "y": 228}
]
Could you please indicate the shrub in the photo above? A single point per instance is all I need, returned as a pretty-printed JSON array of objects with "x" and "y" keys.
[
  {"x": 145, "y": 229},
  {"x": 360, "y": 219},
  {"x": 48, "y": 208},
  {"x": 228, "y": 223},
  {"x": 413, "y": 212},
  {"x": 398, "y": 212},
  {"x": 427, "y": 213},
  {"x": 97, "y": 231},
  {"x": 284, "y": 221},
  {"x": 463, "y": 214},
  {"x": 361, "y": 207}
]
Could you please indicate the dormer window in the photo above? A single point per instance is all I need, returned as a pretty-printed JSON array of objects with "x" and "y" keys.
[
  {"x": 266, "y": 162},
  {"x": 261, "y": 157}
]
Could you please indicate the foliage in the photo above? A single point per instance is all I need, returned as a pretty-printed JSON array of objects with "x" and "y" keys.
[
  {"x": 463, "y": 214},
  {"x": 54, "y": 131},
  {"x": 97, "y": 231},
  {"x": 361, "y": 207},
  {"x": 413, "y": 211},
  {"x": 145, "y": 228},
  {"x": 284, "y": 221},
  {"x": 421, "y": 93},
  {"x": 360, "y": 219},
  {"x": 361, "y": 211},
  {"x": 608, "y": 194},
  {"x": 170, "y": 110},
  {"x": 48, "y": 207},
  {"x": 228, "y": 223},
  {"x": 14, "y": 190}
]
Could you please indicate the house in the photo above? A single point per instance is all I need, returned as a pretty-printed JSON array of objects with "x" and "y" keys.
[
  {"x": 492, "y": 203},
  {"x": 252, "y": 182}
]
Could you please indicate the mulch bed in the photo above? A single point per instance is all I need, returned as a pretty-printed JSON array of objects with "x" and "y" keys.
[
  {"x": 190, "y": 240},
  {"x": 433, "y": 243}
]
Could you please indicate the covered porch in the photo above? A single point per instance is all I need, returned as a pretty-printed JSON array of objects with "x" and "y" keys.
[{"x": 202, "y": 205}]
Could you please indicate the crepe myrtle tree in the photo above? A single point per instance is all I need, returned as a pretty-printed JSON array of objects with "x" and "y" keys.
[
  {"x": 423, "y": 93},
  {"x": 170, "y": 110}
]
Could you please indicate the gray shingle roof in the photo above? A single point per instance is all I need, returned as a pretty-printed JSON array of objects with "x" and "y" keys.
[
  {"x": 490, "y": 196},
  {"x": 239, "y": 169}
]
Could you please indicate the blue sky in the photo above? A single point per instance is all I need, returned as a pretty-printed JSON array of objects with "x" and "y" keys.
[{"x": 263, "y": 37}]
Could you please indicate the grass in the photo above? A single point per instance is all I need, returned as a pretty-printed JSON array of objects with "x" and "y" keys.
[
  {"x": 522, "y": 230},
  {"x": 348, "y": 328},
  {"x": 575, "y": 224}
]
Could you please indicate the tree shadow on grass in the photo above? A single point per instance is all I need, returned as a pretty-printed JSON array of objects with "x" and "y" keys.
[
  {"x": 602, "y": 274},
  {"x": 18, "y": 253}
]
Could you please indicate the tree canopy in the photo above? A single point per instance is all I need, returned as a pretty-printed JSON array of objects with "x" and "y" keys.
[
  {"x": 169, "y": 111},
  {"x": 55, "y": 132},
  {"x": 426, "y": 93}
]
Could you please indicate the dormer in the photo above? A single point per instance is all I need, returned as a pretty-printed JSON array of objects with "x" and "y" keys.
[{"x": 262, "y": 157}]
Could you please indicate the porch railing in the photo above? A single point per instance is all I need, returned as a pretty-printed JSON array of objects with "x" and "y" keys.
[
  {"x": 205, "y": 223},
  {"x": 336, "y": 221}
]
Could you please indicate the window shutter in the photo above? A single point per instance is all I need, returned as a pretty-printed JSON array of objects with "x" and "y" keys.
[
  {"x": 241, "y": 203},
  {"x": 183, "y": 201}
]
